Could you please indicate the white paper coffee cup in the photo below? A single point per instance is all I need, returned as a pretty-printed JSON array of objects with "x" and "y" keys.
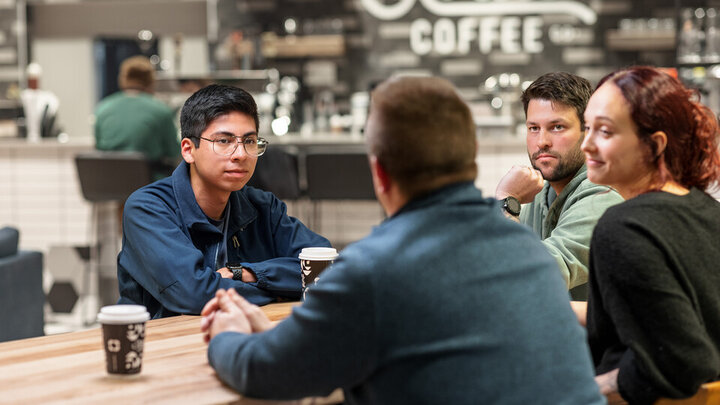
[
  {"x": 318, "y": 253},
  {"x": 123, "y": 314},
  {"x": 313, "y": 260},
  {"x": 123, "y": 337}
]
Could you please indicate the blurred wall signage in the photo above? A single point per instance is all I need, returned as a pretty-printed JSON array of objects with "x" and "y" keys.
[{"x": 508, "y": 26}]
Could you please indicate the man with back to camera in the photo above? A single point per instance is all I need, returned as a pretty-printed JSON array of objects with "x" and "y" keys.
[
  {"x": 133, "y": 120},
  {"x": 201, "y": 229},
  {"x": 564, "y": 208},
  {"x": 436, "y": 305}
]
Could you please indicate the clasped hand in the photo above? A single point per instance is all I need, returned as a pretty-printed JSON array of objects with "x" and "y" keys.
[{"x": 229, "y": 312}]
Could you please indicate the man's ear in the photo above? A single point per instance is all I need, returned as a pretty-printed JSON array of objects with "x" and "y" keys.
[
  {"x": 187, "y": 147},
  {"x": 659, "y": 138},
  {"x": 381, "y": 180}
]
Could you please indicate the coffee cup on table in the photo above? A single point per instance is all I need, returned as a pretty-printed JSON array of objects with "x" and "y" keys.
[
  {"x": 313, "y": 260},
  {"x": 123, "y": 337}
]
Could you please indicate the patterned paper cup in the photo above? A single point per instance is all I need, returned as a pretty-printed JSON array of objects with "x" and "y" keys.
[
  {"x": 313, "y": 261},
  {"x": 123, "y": 337}
]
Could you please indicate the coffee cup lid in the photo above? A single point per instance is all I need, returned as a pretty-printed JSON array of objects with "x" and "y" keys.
[
  {"x": 123, "y": 314},
  {"x": 318, "y": 253}
]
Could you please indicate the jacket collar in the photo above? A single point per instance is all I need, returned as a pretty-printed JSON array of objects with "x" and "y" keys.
[
  {"x": 446, "y": 194},
  {"x": 579, "y": 177},
  {"x": 242, "y": 211},
  {"x": 554, "y": 210}
]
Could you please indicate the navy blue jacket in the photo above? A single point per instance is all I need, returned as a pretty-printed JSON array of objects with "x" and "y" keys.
[
  {"x": 446, "y": 302},
  {"x": 167, "y": 262}
]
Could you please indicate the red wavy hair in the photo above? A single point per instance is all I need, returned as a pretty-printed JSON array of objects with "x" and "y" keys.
[{"x": 659, "y": 102}]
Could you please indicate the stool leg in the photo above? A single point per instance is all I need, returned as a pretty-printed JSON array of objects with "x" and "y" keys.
[
  {"x": 91, "y": 266},
  {"x": 85, "y": 287},
  {"x": 316, "y": 217}
]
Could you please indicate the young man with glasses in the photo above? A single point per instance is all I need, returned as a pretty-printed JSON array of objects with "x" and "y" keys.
[{"x": 201, "y": 229}]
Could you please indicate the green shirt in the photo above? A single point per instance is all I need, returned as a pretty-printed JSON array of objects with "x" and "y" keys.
[
  {"x": 566, "y": 225},
  {"x": 137, "y": 122}
]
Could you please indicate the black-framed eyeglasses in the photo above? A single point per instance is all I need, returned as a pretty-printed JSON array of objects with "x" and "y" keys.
[{"x": 226, "y": 144}]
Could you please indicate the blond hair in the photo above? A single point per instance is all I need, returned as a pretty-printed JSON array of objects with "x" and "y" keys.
[{"x": 137, "y": 73}]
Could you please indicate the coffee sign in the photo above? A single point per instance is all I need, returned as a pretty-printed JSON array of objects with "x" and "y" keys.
[{"x": 507, "y": 26}]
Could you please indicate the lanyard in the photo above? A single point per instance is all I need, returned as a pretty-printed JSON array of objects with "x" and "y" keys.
[{"x": 221, "y": 247}]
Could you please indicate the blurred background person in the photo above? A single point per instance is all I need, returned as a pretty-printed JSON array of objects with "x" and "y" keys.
[
  {"x": 39, "y": 106},
  {"x": 236, "y": 51},
  {"x": 653, "y": 315},
  {"x": 133, "y": 120}
]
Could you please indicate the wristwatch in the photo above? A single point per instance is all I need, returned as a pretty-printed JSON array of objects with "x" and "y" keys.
[
  {"x": 236, "y": 269},
  {"x": 511, "y": 205}
]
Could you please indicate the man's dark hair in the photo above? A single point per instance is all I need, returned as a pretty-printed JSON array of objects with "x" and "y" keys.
[
  {"x": 560, "y": 87},
  {"x": 210, "y": 102},
  {"x": 425, "y": 137}
]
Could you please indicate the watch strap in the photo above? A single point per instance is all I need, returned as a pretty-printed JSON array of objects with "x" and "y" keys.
[
  {"x": 237, "y": 274},
  {"x": 236, "y": 269}
]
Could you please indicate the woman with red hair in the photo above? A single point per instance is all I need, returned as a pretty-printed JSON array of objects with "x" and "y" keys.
[{"x": 653, "y": 315}]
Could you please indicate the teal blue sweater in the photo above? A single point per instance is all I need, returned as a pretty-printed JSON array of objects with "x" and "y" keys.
[{"x": 446, "y": 302}]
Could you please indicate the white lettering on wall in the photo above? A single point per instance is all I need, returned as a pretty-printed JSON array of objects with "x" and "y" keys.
[
  {"x": 388, "y": 11},
  {"x": 494, "y": 25},
  {"x": 420, "y": 30},
  {"x": 459, "y": 8},
  {"x": 510, "y": 35},
  {"x": 566, "y": 34},
  {"x": 488, "y": 33},
  {"x": 444, "y": 37},
  {"x": 532, "y": 33},
  {"x": 467, "y": 33}
]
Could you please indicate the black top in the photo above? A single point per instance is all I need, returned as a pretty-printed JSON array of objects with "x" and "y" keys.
[{"x": 654, "y": 306}]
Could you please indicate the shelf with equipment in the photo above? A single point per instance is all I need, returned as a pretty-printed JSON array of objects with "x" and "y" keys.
[
  {"x": 251, "y": 80},
  {"x": 13, "y": 58}
]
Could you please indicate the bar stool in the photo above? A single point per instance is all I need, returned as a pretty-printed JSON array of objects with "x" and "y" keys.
[
  {"x": 336, "y": 175},
  {"x": 107, "y": 176},
  {"x": 277, "y": 171}
]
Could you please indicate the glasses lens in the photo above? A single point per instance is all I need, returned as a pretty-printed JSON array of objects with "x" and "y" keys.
[
  {"x": 261, "y": 146},
  {"x": 251, "y": 145},
  {"x": 224, "y": 145}
]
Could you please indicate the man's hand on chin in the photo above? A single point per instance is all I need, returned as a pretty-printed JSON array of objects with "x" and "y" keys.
[{"x": 521, "y": 182}]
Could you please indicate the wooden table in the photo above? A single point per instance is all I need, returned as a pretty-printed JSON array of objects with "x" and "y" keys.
[
  {"x": 70, "y": 368},
  {"x": 708, "y": 394}
]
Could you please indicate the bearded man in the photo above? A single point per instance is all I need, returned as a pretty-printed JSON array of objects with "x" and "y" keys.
[{"x": 562, "y": 204}]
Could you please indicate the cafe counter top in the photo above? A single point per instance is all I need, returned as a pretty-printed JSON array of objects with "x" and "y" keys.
[
  {"x": 68, "y": 143},
  {"x": 317, "y": 139},
  {"x": 70, "y": 368}
]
